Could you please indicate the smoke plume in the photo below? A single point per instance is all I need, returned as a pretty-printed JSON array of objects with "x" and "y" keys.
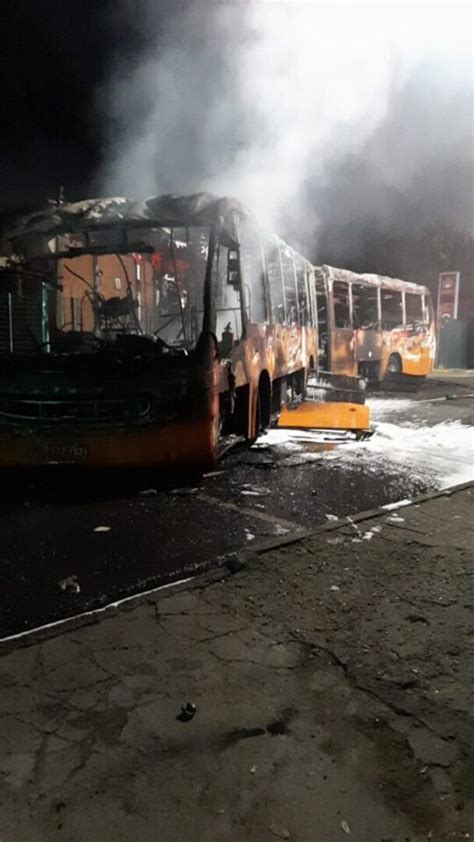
[{"x": 325, "y": 118}]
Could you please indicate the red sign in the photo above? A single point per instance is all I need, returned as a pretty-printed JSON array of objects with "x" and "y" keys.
[{"x": 448, "y": 296}]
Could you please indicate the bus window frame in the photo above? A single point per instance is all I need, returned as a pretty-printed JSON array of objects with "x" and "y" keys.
[
  {"x": 377, "y": 289},
  {"x": 399, "y": 325},
  {"x": 333, "y": 307},
  {"x": 422, "y": 322},
  {"x": 282, "y": 275}
]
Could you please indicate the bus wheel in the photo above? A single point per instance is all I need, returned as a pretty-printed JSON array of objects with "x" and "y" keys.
[
  {"x": 394, "y": 365},
  {"x": 263, "y": 405}
]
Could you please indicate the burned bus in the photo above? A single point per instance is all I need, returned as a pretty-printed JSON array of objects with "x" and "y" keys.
[
  {"x": 147, "y": 333},
  {"x": 373, "y": 326}
]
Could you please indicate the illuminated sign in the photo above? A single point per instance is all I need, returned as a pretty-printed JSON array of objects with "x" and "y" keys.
[{"x": 448, "y": 296}]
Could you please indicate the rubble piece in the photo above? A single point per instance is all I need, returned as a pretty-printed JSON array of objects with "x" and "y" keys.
[
  {"x": 188, "y": 712},
  {"x": 280, "y": 832},
  {"x": 345, "y": 827},
  {"x": 102, "y": 529},
  {"x": 70, "y": 584},
  {"x": 392, "y": 506}
]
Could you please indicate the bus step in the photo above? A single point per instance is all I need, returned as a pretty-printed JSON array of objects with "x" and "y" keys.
[{"x": 326, "y": 415}]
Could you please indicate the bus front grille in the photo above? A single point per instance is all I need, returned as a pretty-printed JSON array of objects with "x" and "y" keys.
[{"x": 20, "y": 410}]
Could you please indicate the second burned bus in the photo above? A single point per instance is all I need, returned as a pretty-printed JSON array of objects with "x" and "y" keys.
[
  {"x": 373, "y": 326},
  {"x": 142, "y": 333}
]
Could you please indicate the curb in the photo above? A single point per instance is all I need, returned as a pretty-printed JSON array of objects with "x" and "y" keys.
[
  {"x": 267, "y": 546},
  {"x": 204, "y": 578}
]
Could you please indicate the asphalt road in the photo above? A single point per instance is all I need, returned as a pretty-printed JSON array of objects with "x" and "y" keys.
[{"x": 179, "y": 526}]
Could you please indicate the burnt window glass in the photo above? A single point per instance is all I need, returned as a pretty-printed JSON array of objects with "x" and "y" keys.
[
  {"x": 274, "y": 277},
  {"x": 289, "y": 281},
  {"x": 303, "y": 292},
  {"x": 227, "y": 303},
  {"x": 342, "y": 310},
  {"x": 413, "y": 308},
  {"x": 365, "y": 311},
  {"x": 392, "y": 309},
  {"x": 253, "y": 272}
]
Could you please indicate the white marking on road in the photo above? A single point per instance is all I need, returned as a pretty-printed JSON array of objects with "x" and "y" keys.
[{"x": 251, "y": 513}]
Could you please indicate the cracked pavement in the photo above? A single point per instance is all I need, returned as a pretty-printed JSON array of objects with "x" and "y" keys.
[{"x": 333, "y": 679}]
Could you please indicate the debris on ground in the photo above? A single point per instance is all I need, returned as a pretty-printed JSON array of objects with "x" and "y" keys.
[
  {"x": 148, "y": 492},
  {"x": 102, "y": 529},
  {"x": 249, "y": 535},
  {"x": 212, "y": 474},
  {"x": 253, "y": 490},
  {"x": 70, "y": 584},
  {"x": 183, "y": 492},
  {"x": 281, "y": 832},
  {"x": 345, "y": 827},
  {"x": 281, "y": 530},
  {"x": 188, "y": 712}
]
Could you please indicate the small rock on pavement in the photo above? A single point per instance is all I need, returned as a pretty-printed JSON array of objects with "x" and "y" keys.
[
  {"x": 280, "y": 832},
  {"x": 188, "y": 712},
  {"x": 70, "y": 584},
  {"x": 345, "y": 827}
]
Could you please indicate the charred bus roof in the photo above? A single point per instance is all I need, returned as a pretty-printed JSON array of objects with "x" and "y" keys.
[
  {"x": 34, "y": 234},
  {"x": 334, "y": 274}
]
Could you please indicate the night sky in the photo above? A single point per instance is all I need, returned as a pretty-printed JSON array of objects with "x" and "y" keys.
[
  {"x": 59, "y": 56},
  {"x": 54, "y": 57}
]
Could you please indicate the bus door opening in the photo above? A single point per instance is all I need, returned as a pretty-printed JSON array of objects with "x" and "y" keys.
[
  {"x": 341, "y": 337},
  {"x": 367, "y": 333}
]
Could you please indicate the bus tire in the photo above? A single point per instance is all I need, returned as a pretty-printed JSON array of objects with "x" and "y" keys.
[
  {"x": 394, "y": 365},
  {"x": 262, "y": 406}
]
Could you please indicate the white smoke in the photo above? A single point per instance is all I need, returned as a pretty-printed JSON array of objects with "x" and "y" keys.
[{"x": 254, "y": 99}]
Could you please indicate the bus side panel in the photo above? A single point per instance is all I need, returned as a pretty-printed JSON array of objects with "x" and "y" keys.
[
  {"x": 416, "y": 353},
  {"x": 277, "y": 349}
]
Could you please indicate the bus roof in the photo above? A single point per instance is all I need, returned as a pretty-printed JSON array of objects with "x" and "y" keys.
[
  {"x": 331, "y": 272},
  {"x": 198, "y": 209}
]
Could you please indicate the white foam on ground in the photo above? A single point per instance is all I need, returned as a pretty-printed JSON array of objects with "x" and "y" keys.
[{"x": 440, "y": 455}]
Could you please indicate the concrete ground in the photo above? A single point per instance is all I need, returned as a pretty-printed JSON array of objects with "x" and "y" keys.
[{"x": 334, "y": 683}]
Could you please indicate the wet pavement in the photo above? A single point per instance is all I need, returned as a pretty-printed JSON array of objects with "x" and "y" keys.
[{"x": 161, "y": 533}]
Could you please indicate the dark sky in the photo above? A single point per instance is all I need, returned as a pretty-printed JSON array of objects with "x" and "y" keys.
[
  {"x": 54, "y": 55},
  {"x": 58, "y": 57}
]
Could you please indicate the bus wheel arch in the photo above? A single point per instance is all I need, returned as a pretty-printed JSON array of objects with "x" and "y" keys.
[{"x": 394, "y": 364}]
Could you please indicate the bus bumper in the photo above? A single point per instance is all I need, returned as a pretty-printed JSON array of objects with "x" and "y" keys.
[
  {"x": 326, "y": 415},
  {"x": 189, "y": 443}
]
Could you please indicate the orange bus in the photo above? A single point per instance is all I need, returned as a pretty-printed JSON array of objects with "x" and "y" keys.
[
  {"x": 373, "y": 326},
  {"x": 148, "y": 333}
]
